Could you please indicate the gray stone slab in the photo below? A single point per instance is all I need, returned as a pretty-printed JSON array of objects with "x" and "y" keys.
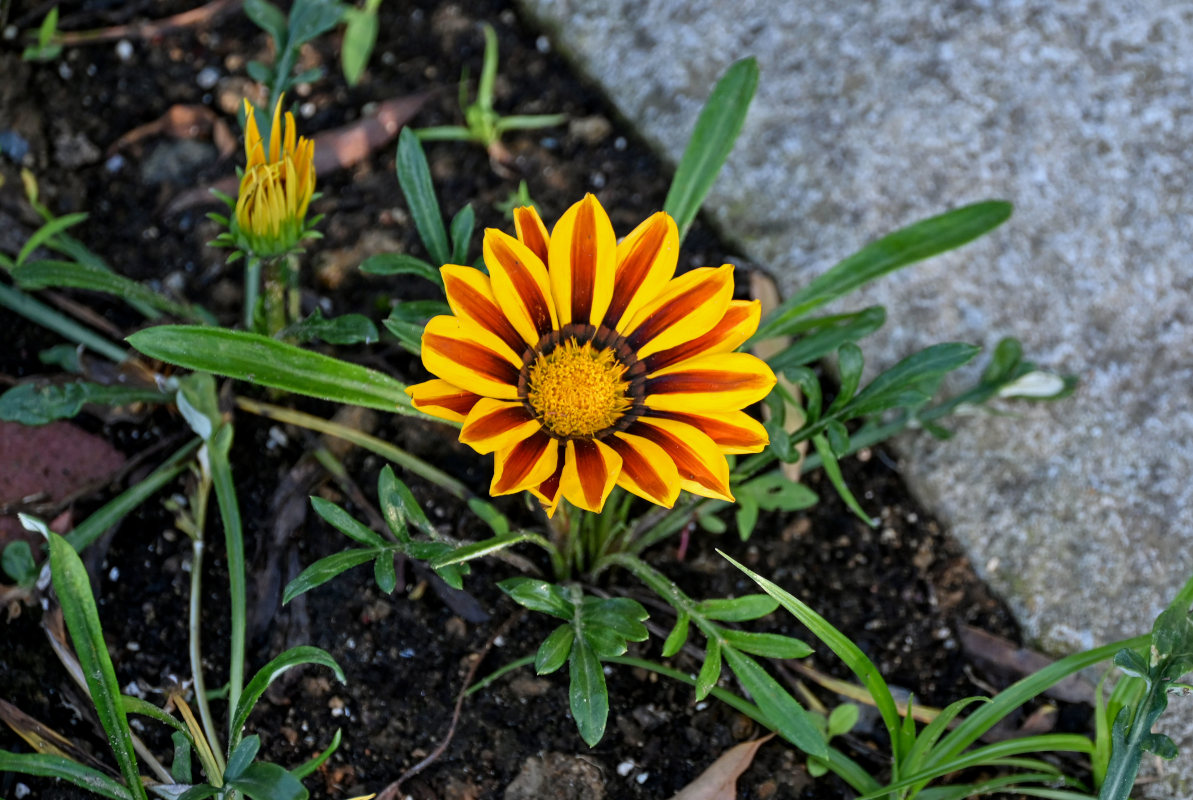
[{"x": 872, "y": 115}]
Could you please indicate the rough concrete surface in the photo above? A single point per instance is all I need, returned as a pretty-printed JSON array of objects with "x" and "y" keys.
[{"x": 872, "y": 115}]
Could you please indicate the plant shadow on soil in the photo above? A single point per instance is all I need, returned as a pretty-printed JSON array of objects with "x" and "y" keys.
[{"x": 902, "y": 590}]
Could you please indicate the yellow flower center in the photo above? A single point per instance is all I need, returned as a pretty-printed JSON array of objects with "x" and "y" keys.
[{"x": 576, "y": 390}]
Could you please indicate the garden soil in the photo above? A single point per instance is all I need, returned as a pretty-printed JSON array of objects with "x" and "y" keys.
[{"x": 901, "y": 589}]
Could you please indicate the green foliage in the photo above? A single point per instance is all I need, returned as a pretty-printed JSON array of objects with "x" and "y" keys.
[
  {"x": 45, "y": 48},
  {"x": 414, "y": 176},
  {"x": 594, "y": 629},
  {"x": 716, "y": 130},
  {"x": 360, "y": 36},
  {"x": 482, "y": 123},
  {"x": 343, "y": 330},
  {"x": 307, "y": 20},
  {"x": 38, "y": 404}
]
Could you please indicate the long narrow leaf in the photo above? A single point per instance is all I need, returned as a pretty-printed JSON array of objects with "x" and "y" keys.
[
  {"x": 34, "y": 404},
  {"x": 268, "y": 673},
  {"x": 927, "y": 365},
  {"x": 45, "y": 765},
  {"x": 905, "y": 246},
  {"x": 268, "y": 362},
  {"x": 82, "y": 620},
  {"x": 588, "y": 697},
  {"x": 47, "y": 232},
  {"x": 325, "y": 569},
  {"x": 51, "y": 273},
  {"x": 716, "y": 130},
  {"x": 786, "y": 716},
  {"x": 414, "y": 176}
]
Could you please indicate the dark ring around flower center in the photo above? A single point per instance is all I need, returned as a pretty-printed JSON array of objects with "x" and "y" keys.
[{"x": 601, "y": 338}]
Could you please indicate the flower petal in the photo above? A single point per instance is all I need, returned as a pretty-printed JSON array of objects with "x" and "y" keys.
[
  {"x": 531, "y": 231},
  {"x": 449, "y": 353},
  {"x": 703, "y": 470},
  {"x": 524, "y": 465},
  {"x": 689, "y": 306},
  {"x": 470, "y": 295},
  {"x": 738, "y": 324},
  {"x": 497, "y": 424},
  {"x": 275, "y": 133},
  {"x": 521, "y": 286},
  {"x": 547, "y": 492},
  {"x": 582, "y": 254},
  {"x": 254, "y": 150},
  {"x": 442, "y": 399},
  {"x": 646, "y": 469},
  {"x": 590, "y": 470},
  {"x": 733, "y": 431},
  {"x": 720, "y": 382},
  {"x": 645, "y": 263}
]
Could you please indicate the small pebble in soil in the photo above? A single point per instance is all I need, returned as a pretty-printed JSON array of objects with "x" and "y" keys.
[
  {"x": 20, "y": 791},
  {"x": 115, "y": 163},
  {"x": 625, "y": 768},
  {"x": 641, "y": 777},
  {"x": 207, "y": 78},
  {"x": 407, "y": 652},
  {"x": 124, "y": 49},
  {"x": 65, "y": 71},
  {"x": 10, "y": 33},
  {"x": 542, "y": 44},
  {"x": 133, "y": 647},
  {"x": 114, "y": 574},
  {"x": 277, "y": 438}
]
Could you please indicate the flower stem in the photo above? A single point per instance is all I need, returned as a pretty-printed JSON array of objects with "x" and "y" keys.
[
  {"x": 275, "y": 296},
  {"x": 252, "y": 290}
]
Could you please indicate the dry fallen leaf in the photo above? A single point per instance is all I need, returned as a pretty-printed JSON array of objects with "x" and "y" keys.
[{"x": 719, "y": 781}]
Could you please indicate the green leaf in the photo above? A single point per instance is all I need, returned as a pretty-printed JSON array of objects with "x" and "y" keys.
[
  {"x": 1004, "y": 362},
  {"x": 200, "y": 791},
  {"x": 51, "y": 766},
  {"x": 906, "y": 246},
  {"x": 850, "y": 364},
  {"x": 842, "y": 719},
  {"x": 588, "y": 697},
  {"x": 461, "y": 229},
  {"x": 480, "y": 549},
  {"x": 838, "y": 437},
  {"x": 29, "y": 308},
  {"x": 264, "y": 781},
  {"x": 346, "y": 524},
  {"x": 307, "y": 767},
  {"x": 268, "y": 18},
  {"x": 360, "y": 36},
  {"x": 1172, "y": 642},
  {"x": 737, "y": 609},
  {"x": 384, "y": 572},
  {"x": 135, "y": 705},
  {"x": 343, "y": 330},
  {"x": 824, "y": 335},
  {"x": 786, "y": 715},
  {"x": 82, "y": 621},
  {"x": 309, "y": 18},
  {"x": 324, "y": 570},
  {"x": 46, "y": 232},
  {"x": 538, "y": 595},
  {"x": 414, "y": 176},
  {"x": 679, "y": 634},
  {"x": 259, "y": 72},
  {"x": 768, "y": 645},
  {"x": 50, "y": 273},
  {"x": 1160, "y": 745},
  {"x": 832, "y": 469},
  {"x": 489, "y": 514},
  {"x": 401, "y": 264},
  {"x": 892, "y": 387},
  {"x": 716, "y": 130},
  {"x": 268, "y": 362},
  {"x": 554, "y": 650},
  {"x": 619, "y": 614},
  {"x": 293, "y": 657},
  {"x": 180, "y": 767},
  {"x": 40, "y": 404},
  {"x": 18, "y": 561},
  {"x": 242, "y": 756},
  {"x": 1131, "y": 663},
  {"x": 710, "y": 670},
  {"x": 398, "y": 503}
]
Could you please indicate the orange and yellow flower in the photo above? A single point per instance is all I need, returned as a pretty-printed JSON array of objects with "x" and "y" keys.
[
  {"x": 582, "y": 363},
  {"x": 276, "y": 187}
]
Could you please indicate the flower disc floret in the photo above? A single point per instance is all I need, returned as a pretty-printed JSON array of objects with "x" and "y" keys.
[{"x": 582, "y": 363}]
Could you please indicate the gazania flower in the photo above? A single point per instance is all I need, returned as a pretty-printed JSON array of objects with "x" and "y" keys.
[
  {"x": 276, "y": 187},
  {"x": 582, "y": 363}
]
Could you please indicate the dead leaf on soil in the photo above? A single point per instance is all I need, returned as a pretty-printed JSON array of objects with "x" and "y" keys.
[
  {"x": 719, "y": 781},
  {"x": 182, "y": 121}
]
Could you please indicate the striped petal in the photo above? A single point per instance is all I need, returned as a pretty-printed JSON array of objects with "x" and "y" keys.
[
  {"x": 739, "y": 323},
  {"x": 733, "y": 431},
  {"x": 590, "y": 470},
  {"x": 703, "y": 470},
  {"x": 494, "y": 425},
  {"x": 690, "y": 305},
  {"x": 470, "y": 295},
  {"x": 442, "y": 399},
  {"x": 524, "y": 465},
  {"x": 548, "y": 492},
  {"x": 582, "y": 254},
  {"x": 646, "y": 469},
  {"x": 531, "y": 231},
  {"x": 646, "y": 261},
  {"x": 521, "y": 286},
  {"x": 449, "y": 353},
  {"x": 721, "y": 382}
]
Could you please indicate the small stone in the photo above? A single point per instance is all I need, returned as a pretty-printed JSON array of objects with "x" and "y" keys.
[
  {"x": 124, "y": 49},
  {"x": 590, "y": 130},
  {"x": 207, "y": 78}
]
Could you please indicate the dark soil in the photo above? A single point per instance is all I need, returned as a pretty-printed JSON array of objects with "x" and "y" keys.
[{"x": 901, "y": 590}]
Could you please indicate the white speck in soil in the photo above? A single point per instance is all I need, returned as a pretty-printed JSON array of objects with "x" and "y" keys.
[
  {"x": 542, "y": 44},
  {"x": 124, "y": 49},
  {"x": 207, "y": 78},
  {"x": 620, "y": 143},
  {"x": 10, "y": 33},
  {"x": 132, "y": 647},
  {"x": 114, "y": 574},
  {"x": 114, "y": 163},
  {"x": 499, "y": 641},
  {"x": 277, "y": 437},
  {"x": 65, "y": 71},
  {"x": 351, "y": 644},
  {"x": 641, "y": 777},
  {"x": 21, "y": 789},
  {"x": 307, "y": 110},
  {"x": 625, "y": 768},
  {"x": 407, "y": 652}
]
